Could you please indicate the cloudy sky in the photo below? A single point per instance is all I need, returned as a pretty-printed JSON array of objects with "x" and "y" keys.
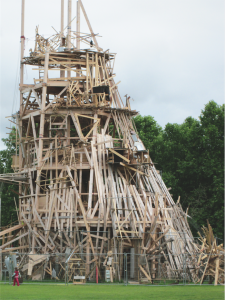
[{"x": 170, "y": 53}]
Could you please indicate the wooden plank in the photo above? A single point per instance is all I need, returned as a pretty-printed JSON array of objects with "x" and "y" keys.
[
  {"x": 133, "y": 169},
  {"x": 89, "y": 26},
  {"x": 118, "y": 154},
  {"x": 95, "y": 236},
  {"x": 26, "y": 103},
  {"x": 144, "y": 222},
  {"x": 87, "y": 155},
  {"x": 36, "y": 97},
  {"x": 14, "y": 240},
  {"x": 206, "y": 265},
  {"x": 145, "y": 273},
  {"x": 15, "y": 248},
  {"x": 106, "y": 124},
  {"x": 82, "y": 208},
  {"x": 51, "y": 207},
  {"x": 217, "y": 271},
  {"x": 12, "y": 229},
  {"x": 90, "y": 189}
]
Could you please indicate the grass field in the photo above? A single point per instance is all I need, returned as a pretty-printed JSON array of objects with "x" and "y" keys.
[{"x": 107, "y": 292}]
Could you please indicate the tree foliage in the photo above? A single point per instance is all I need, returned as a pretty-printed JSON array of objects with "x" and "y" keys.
[
  {"x": 7, "y": 194},
  {"x": 190, "y": 156}
]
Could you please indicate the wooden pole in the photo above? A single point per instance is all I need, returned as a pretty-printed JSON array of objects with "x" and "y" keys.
[
  {"x": 89, "y": 26},
  {"x": 217, "y": 271},
  {"x": 44, "y": 91},
  {"x": 22, "y": 38},
  {"x": 41, "y": 133},
  {"x": 69, "y": 23},
  {"x": 69, "y": 31},
  {"x": 78, "y": 31},
  {"x": 62, "y": 20},
  {"x": 62, "y": 73},
  {"x": 78, "y": 25}
]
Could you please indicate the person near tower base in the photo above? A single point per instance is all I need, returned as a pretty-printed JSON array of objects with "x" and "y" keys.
[{"x": 16, "y": 276}]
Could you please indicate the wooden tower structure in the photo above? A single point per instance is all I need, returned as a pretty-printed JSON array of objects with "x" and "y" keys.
[{"x": 87, "y": 183}]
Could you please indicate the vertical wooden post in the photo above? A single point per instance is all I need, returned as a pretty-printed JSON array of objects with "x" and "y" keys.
[
  {"x": 78, "y": 31},
  {"x": 80, "y": 173},
  {"x": 69, "y": 31},
  {"x": 41, "y": 133},
  {"x": 44, "y": 91},
  {"x": 62, "y": 73},
  {"x": 69, "y": 23},
  {"x": 56, "y": 157},
  {"x": 50, "y": 166},
  {"x": 62, "y": 20},
  {"x": 217, "y": 271},
  {"x": 22, "y": 38},
  {"x": 136, "y": 260},
  {"x": 68, "y": 130},
  {"x": 109, "y": 241},
  {"x": 89, "y": 26},
  {"x": 87, "y": 258},
  {"x": 78, "y": 25},
  {"x": 96, "y": 69},
  {"x": 87, "y": 71}
]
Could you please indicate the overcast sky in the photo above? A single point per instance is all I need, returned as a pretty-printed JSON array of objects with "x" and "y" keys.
[{"x": 170, "y": 53}]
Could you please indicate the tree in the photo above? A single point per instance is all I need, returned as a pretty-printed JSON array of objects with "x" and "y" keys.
[
  {"x": 191, "y": 158},
  {"x": 8, "y": 210},
  {"x": 150, "y": 133}
]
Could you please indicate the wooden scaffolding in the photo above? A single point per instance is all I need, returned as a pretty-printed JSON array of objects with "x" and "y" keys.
[{"x": 86, "y": 181}]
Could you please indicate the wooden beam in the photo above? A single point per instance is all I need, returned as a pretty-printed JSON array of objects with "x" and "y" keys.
[
  {"x": 26, "y": 103},
  {"x": 12, "y": 229},
  {"x": 14, "y": 240},
  {"x": 118, "y": 154},
  {"x": 89, "y": 26},
  {"x": 133, "y": 169}
]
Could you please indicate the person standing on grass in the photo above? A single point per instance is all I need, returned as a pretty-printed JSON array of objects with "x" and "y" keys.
[{"x": 16, "y": 276}]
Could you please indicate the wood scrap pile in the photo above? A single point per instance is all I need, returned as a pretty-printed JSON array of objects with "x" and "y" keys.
[
  {"x": 211, "y": 258},
  {"x": 38, "y": 266}
]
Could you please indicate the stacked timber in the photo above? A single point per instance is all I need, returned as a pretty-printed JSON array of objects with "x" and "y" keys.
[{"x": 210, "y": 258}]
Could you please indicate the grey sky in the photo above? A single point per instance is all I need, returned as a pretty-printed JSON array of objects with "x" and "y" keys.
[{"x": 170, "y": 53}]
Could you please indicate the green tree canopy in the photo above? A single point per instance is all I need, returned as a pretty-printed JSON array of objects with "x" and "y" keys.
[
  {"x": 7, "y": 194},
  {"x": 190, "y": 156}
]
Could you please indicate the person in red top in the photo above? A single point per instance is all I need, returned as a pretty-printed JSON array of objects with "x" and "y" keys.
[{"x": 16, "y": 276}]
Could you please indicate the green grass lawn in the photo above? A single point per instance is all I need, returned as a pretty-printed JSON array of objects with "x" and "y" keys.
[{"x": 108, "y": 292}]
